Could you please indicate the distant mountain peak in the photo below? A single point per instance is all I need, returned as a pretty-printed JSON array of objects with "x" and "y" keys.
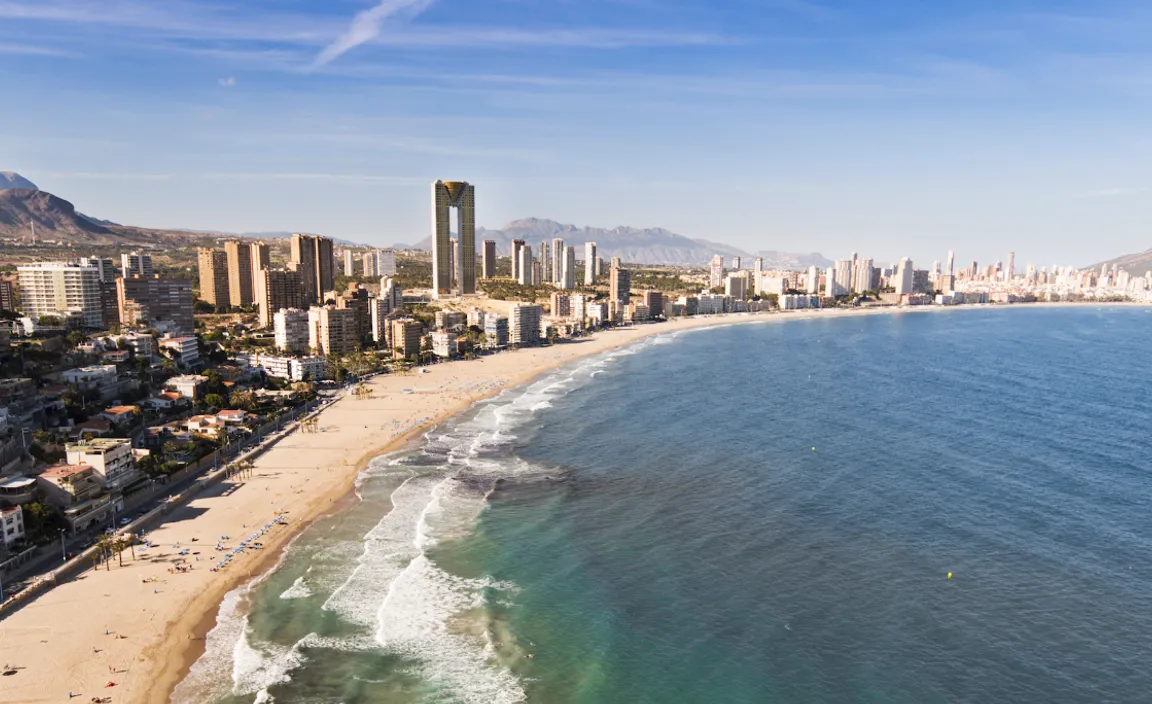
[{"x": 10, "y": 180}]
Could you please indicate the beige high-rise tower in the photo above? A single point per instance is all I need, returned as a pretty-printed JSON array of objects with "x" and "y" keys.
[
  {"x": 445, "y": 196},
  {"x": 213, "y": 265},
  {"x": 239, "y": 273}
]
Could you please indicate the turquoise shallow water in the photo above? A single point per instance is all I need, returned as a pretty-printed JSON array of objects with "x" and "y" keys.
[{"x": 654, "y": 526}]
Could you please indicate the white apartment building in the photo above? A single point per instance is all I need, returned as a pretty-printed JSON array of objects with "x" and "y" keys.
[
  {"x": 444, "y": 344},
  {"x": 185, "y": 350},
  {"x": 524, "y": 324},
  {"x": 101, "y": 377},
  {"x": 291, "y": 330},
  {"x": 187, "y": 386},
  {"x": 496, "y": 330},
  {"x": 385, "y": 262},
  {"x": 902, "y": 279},
  {"x": 736, "y": 285},
  {"x": 577, "y": 306},
  {"x": 111, "y": 458},
  {"x": 11, "y": 526},
  {"x": 60, "y": 289},
  {"x": 591, "y": 263}
]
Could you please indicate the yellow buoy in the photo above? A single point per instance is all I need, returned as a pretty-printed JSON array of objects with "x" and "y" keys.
[
  {"x": 949, "y": 575},
  {"x": 813, "y": 449}
]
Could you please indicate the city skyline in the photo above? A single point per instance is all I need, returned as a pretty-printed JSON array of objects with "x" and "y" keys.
[{"x": 910, "y": 127}]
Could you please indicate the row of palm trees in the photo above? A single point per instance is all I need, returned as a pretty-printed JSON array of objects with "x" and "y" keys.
[
  {"x": 110, "y": 544},
  {"x": 243, "y": 469}
]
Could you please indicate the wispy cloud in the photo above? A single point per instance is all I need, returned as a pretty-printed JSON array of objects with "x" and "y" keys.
[
  {"x": 229, "y": 82},
  {"x": 32, "y": 50},
  {"x": 367, "y": 25},
  {"x": 1115, "y": 192},
  {"x": 105, "y": 176}
]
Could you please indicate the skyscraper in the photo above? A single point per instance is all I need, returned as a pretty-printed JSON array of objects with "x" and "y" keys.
[
  {"x": 736, "y": 263},
  {"x": 368, "y": 265},
  {"x": 261, "y": 258},
  {"x": 545, "y": 260},
  {"x": 213, "y": 265},
  {"x": 524, "y": 269},
  {"x": 276, "y": 289},
  {"x": 813, "y": 279},
  {"x": 517, "y": 245},
  {"x": 1010, "y": 272},
  {"x": 386, "y": 262},
  {"x": 902, "y": 279},
  {"x": 843, "y": 276},
  {"x": 620, "y": 286},
  {"x": 951, "y": 263},
  {"x": 239, "y": 273},
  {"x": 445, "y": 196},
  {"x": 590, "y": 263},
  {"x": 716, "y": 273},
  {"x": 348, "y": 261},
  {"x": 313, "y": 260},
  {"x": 136, "y": 263},
  {"x": 165, "y": 304},
  {"x": 59, "y": 289},
  {"x": 557, "y": 265},
  {"x": 488, "y": 260},
  {"x": 332, "y": 330},
  {"x": 568, "y": 269},
  {"x": 291, "y": 330}
]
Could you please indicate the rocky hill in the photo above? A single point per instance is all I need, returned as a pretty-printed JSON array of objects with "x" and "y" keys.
[
  {"x": 57, "y": 220},
  {"x": 1135, "y": 264},
  {"x": 11, "y": 179},
  {"x": 631, "y": 244}
]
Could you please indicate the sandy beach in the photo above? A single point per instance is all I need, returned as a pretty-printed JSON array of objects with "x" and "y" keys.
[{"x": 141, "y": 625}]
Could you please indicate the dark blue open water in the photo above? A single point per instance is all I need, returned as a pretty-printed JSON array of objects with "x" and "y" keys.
[{"x": 656, "y": 526}]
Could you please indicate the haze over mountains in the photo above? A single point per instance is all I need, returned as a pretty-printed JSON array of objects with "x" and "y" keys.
[
  {"x": 631, "y": 244},
  {"x": 1135, "y": 264}
]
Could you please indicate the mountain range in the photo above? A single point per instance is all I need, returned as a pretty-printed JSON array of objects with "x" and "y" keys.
[
  {"x": 1135, "y": 264},
  {"x": 631, "y": 244}
]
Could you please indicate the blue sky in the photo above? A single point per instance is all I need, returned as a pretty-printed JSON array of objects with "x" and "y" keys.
[{"x": 889, "y": 127}]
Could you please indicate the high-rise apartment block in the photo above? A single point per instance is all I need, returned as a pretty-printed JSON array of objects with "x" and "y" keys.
[
  {"x": 385, "y": 262},
  {"x": 349, "y": 255},
  {"x": 525, "y": 267},
  {"x": 620, "y": 286},
  {"x": 406, "y": 336},
  {"x": 261, "y": 256},
  {"x": 445, "y": 196},
  {"x": 524, "y": 324},
  {"x": 106, "y": 267},
  {"x": 61, "y": 289},
  {"x": 488, "y": 260},
  {"x": 568, "y": 269},
  {"x": 136, "y": 264},
  {"x": 560, "y": 305},
  {"x": 496, "y": 331},
  {"x": 332, "y": 330},
  {"x": 312, "y": 259},
  {"x": 276, "y": 289},
  {"x": 7, "y": 296},
  {"x": 902, "y": 279},
  {"x": 716, "y": 272},
  {"x": 291, "y": 330},
  {"x": 164, "y": 304},
  {"x": 654, "y": 300},
  {"x": 591, "y": 263},
  {"x": 517, "y": 245},
  {"x": 545, "y": 260},
  {"x": 239, "y": 273},
  {"x": 213, "y": 267},
  {"x": 557, "y": 265}
]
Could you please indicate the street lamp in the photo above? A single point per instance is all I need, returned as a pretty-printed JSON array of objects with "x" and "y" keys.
[{"x": 63, "y": 551}]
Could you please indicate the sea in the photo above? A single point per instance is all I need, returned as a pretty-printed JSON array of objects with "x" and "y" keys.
[{"x": 914, "y": 507}]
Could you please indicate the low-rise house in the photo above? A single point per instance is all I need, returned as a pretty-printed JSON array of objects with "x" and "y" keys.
[
  {"x": 11, "y": 526},
  {"x": 207, "y": 426},
  {"x": 184, "y": 351},
  {"x": 232, "y": 417},
  {"x": 166, "y": 400},
  {"x": 188, "y": 386},
  {"x": 115, "y": 356},
  {"x": 74, "y": 489},
  {"x": 121, "y": 415},
  {"x": 95, "y": 428},
  {"x": 102, "y": 378}
]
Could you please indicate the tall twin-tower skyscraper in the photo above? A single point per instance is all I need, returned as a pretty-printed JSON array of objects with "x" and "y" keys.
[{"x": 453, "y": 270}]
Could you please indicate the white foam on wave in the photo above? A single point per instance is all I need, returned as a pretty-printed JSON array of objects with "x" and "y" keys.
[{"x": 298, "y": 590}]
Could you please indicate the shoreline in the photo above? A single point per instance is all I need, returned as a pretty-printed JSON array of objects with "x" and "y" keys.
[{"x": 174, "y": 635}]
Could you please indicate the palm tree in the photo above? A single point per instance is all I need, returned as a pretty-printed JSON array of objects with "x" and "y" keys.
[{"x": 105, "y": 543}]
